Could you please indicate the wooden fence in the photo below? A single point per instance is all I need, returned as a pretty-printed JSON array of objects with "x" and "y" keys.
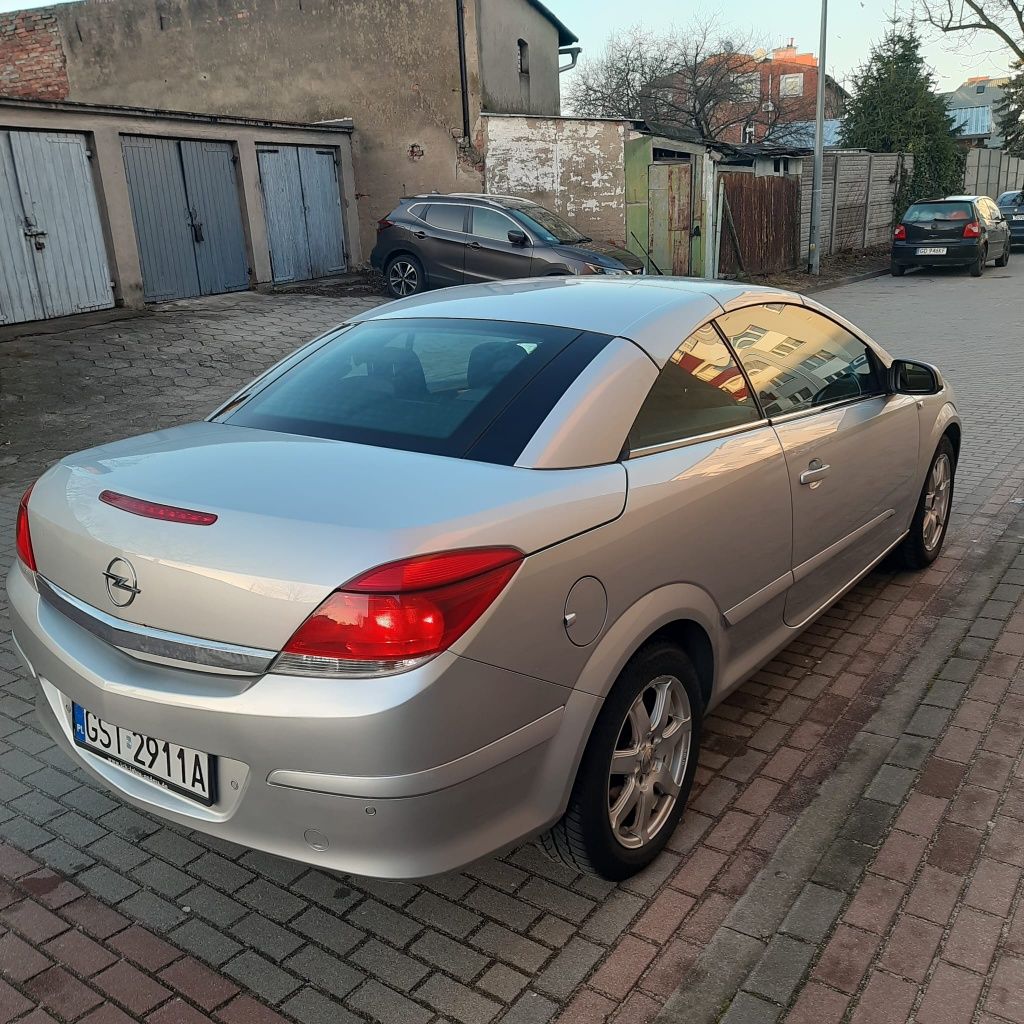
[{"x": 766, "y": 218}]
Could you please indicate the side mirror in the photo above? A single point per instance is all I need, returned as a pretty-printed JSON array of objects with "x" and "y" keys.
[
  {"x": 909, "y": 378},
  {"x": 517, "y": 237}
]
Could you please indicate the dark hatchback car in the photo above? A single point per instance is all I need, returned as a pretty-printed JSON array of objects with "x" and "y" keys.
[
  {"x": 959, "y": 231},
  {"x": 431, "y": 241},
  {"x": 1011, "y": 206}
]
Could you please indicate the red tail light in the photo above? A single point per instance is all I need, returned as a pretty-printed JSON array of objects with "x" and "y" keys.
[
  {"x": 154, "y": 510},
  {"x": 23, "y": 538},
  {"x": 400, "y": 614},
  {"x": 900, "y": 234},
  {"x": 384, "y": 223},
  {"x": 972, "y": 230}
]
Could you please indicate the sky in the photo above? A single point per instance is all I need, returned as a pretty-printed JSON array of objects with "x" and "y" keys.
[{"x": 853, "y": 26}]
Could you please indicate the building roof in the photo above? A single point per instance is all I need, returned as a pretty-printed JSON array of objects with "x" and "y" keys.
[
  {"x": 973, "y": 122},
  {"x": 800, "y": 134},
  {"x": 566, "y": 37}
]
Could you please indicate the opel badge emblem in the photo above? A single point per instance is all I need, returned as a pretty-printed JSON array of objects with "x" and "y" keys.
[{"x": 122, "y": 583}]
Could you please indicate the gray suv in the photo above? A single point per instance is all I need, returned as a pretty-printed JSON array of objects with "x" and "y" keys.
[{"x": 431, "y": 241}]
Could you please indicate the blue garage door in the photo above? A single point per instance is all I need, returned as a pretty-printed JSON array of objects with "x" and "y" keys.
[{"x": 188, "y": 222}]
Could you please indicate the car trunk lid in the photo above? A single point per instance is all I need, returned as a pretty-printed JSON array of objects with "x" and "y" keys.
[{"x": 296, "y": 518}]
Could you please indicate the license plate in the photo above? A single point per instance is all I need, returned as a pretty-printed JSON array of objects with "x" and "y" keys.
[
  {"x": 182, "y": 769},
  {"x": 932, "y": 251},
  {"x": 1018, "y": 216}
]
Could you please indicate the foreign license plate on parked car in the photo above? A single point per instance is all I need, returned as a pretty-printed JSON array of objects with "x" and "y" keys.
[
  {"x": 932, "y": 251},
  {"x": 179, "y": 768}
]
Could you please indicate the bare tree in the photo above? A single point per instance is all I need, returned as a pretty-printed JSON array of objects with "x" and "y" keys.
[
  {"x": 696, "y": 80},
  {"x": 1003, "y": 19}
]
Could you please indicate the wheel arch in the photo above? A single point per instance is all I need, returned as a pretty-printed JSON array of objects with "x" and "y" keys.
[{"x": 691, "y": 637}]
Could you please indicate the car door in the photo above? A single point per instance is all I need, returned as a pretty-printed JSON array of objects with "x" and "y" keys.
[
  {"x": 851, "y": 449},
  {"x": 442, "y": 242},
  {"x": 998, "y": 225},
  {"x": 490, "y": 256},
  {"x": 708, "y": 498}
]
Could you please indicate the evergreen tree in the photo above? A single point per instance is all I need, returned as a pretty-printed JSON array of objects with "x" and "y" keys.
[
  {"x": 1010, "y": 112},
  {"x": 895, "y": 109}
]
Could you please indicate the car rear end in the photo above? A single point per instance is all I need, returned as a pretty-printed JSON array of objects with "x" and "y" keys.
[
  {"x": 938, "y": 233},
  {"x": 1011, "y": 205},
  {"x": 273, "y": 626},
  {"x": 394, "y": 233}
]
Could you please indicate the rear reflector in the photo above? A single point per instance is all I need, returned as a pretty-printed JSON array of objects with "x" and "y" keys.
[
  {"x": 23, "y": 538},
  {"x": 155, "y": 510},
  {"x": 398, "y": 615}
]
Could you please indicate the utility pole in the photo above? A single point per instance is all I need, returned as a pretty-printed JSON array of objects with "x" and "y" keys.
[{"x": 814, "y": 241}]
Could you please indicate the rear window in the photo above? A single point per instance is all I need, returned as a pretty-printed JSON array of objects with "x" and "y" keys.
[
  {"x": 921, "y": 213},
  {"x": 446, "y": 216},
  {"x": 1015, "y": 198},
  {"x": 419, "y": 384}
]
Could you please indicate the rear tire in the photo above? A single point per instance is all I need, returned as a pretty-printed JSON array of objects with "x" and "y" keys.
[
  {"x": 896, "y": 270},
  {"x": 617, "y": 822},
  {"x": 978, "y": 266},
  {"x": 1005, "y": 258},
  {"x": 404, "y": 276},
  {"x": 928, "y": 529}
]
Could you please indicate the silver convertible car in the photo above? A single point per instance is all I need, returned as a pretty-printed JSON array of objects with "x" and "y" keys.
[{"x": 472, "y": 567}]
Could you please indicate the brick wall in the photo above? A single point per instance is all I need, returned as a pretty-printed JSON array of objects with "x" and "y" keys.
[{"x": 32, "y": 64}]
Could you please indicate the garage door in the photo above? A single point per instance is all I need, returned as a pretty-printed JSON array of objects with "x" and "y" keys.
[
  {"x": 188, "y": 222},
  {"x": 53, "y": 259},
  {"x": 302, "y": 202}
]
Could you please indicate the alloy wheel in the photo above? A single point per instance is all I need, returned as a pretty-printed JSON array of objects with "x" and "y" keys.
[
  {"x": 649, "y": 761},
  {"x": 403, "y": 278},
  {"x": 936, "y": 501}
]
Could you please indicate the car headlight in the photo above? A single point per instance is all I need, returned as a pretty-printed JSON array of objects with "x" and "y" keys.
[{"x": 597, "y": 268}]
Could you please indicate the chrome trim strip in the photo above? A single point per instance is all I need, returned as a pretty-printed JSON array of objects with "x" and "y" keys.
[
  {"x": 685, "y": 442},
  {"x": 159, "y": 643},
  {"x": 813, "y": 563},
  {"x": 813, "y": 410},
  {"x": 738, "y": 612},
  {"x": 431, "y": 779}
]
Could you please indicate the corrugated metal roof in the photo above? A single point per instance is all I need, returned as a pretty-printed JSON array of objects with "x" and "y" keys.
[
  {"x": 973, "y": 122},
  {"x": 800, "y": 134}
]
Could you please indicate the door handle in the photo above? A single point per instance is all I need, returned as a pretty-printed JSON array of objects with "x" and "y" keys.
[
  {"x": 817, "y": 470},
  {"x": 420, "y": 234},
  {"x": 473, "y": 245}
]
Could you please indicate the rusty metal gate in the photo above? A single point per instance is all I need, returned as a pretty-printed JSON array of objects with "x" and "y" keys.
[
  {"x": 53, "y": 259},
  {"x": 765, "y": 216},
  {"x": 188, "y": 221},
  {"x": 669, "y": 205}
]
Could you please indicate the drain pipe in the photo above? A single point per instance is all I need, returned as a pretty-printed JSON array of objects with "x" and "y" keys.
[{"x": 460, "y": 21}]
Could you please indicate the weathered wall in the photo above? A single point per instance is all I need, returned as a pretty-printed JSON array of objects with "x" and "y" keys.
[
  {"x": 501, "y": 24},
  {"x": 857, "y": 191},
  {"x": 31, "y": 56},
  {"x": 574, "y": 166},
  {"x": 296, "y": 61}
]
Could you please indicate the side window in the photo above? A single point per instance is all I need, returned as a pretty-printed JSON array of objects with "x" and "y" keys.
[
  {"x": 699, "y": 391},
  {"x": 798, "y": 359},
  {"x": 446, "y": 216},
  {"x": 491, "y": 224}
]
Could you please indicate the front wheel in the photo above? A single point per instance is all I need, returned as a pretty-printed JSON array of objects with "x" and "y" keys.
[
  {"x": 404, "y": 276},
  {"x": 637, "y": 770},
  {"x": 923, "y": 543}
]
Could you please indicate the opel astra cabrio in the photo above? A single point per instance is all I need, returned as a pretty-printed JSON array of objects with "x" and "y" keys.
[{"x": 472, "y": 567}]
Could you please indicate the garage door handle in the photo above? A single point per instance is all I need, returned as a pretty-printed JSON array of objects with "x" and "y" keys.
[{"x": 816, "y": 471}]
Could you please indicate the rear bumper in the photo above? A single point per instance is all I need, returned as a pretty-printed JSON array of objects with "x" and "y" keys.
[
  {"x": 402, "y": 777},
  {"x": 959, "y": 253}
]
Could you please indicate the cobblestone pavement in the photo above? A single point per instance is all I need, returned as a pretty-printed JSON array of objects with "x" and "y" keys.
[{"x": 108, "y": 915}]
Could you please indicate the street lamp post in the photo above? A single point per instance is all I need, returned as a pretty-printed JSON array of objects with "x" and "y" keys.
[{"x": 814, "y": 241}]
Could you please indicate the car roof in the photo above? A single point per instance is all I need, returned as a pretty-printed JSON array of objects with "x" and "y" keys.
[
  {"x": 963, "y": 199},
  {"x": 469, "y": 197},
  {"x": 656, "y": 313}
]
